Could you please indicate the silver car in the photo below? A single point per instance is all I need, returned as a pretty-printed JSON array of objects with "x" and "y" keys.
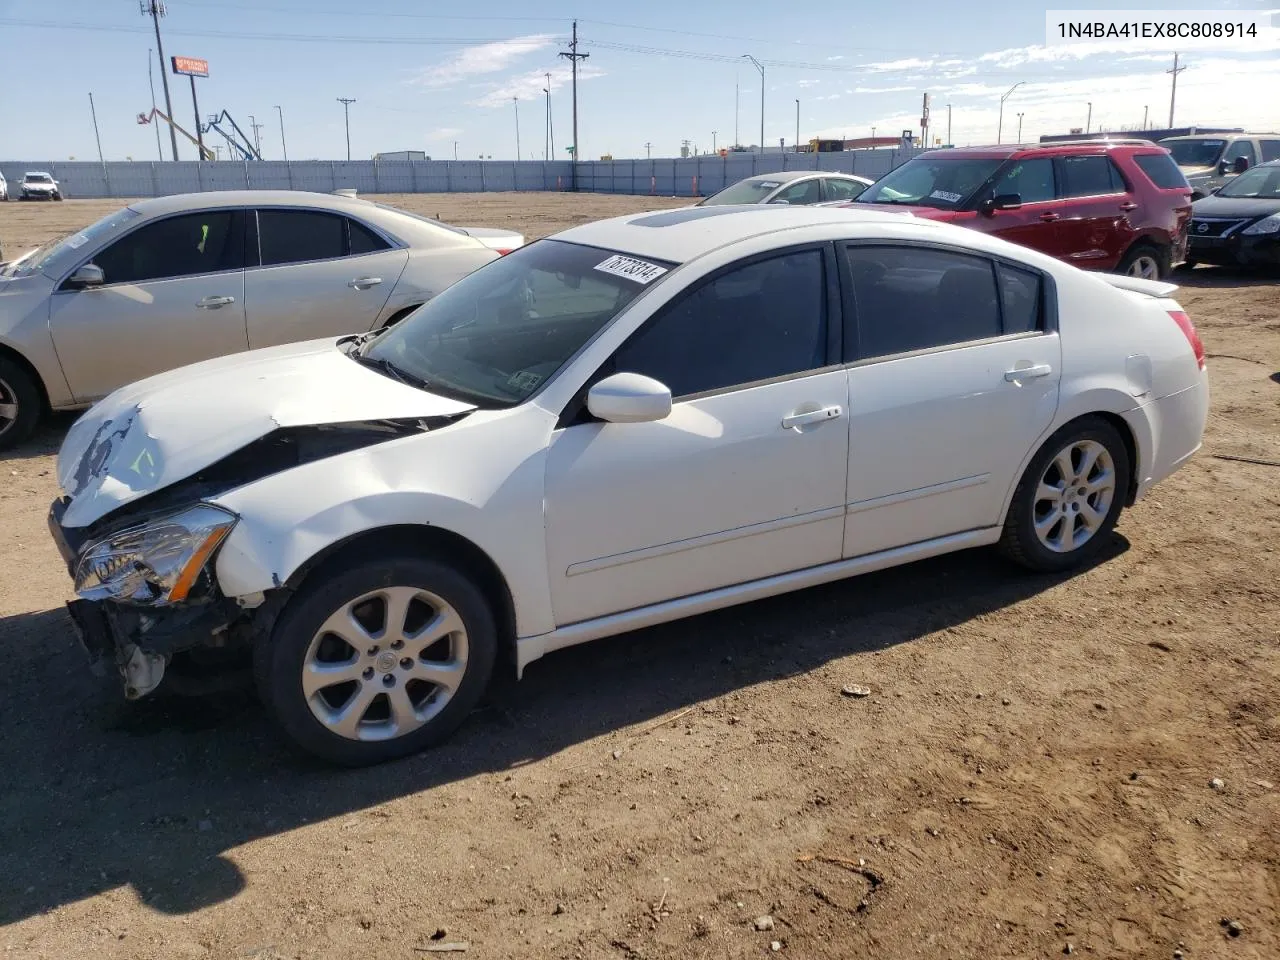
[
  {"x": 171, "y": 281},
  {"x": 795, "y": 187}
]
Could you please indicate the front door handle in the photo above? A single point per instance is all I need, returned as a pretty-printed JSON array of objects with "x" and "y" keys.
[
  {"x": 1028, "y": 373},
  {"x": 1128, "y": 205},
  {"x": 1048, "y": 217},
  {"x": 213, "y": 303},
  {"x": 811, "y": 416},
  {"x": 364, "y": 283}
]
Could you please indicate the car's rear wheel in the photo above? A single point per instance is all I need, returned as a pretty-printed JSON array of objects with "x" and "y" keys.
[
  {"x": 1069, "y": 497},
  {"x": 378, "y": 659},
  {"x": 1146, "y": 262},
  {"x": 20, "y": 404}
]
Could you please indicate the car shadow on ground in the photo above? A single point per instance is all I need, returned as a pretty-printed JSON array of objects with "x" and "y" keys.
[
  {"x": 101, "y": 794},
  {"x": 1212, "y": 277},
  {"x": 46, "y": 441}
]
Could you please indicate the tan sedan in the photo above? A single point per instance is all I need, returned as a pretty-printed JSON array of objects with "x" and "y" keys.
[{"x": 174, "y": 280}]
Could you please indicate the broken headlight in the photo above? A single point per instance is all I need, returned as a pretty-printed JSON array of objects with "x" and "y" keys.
[{"x": 154, "y": 563}]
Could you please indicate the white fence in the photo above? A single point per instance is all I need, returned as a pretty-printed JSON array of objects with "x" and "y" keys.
[{"x": 694, "y": 176}]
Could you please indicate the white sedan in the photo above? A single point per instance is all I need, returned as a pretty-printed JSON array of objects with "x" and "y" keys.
[{"x": 631, "y": 422}]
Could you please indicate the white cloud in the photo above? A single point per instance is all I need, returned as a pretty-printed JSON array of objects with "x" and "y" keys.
[
  {"x": 890, "y": 66},
  {"x": 443, "y": 133},
  {"x": 482, "y": 59},
  {"x": 529, "y": 86},
  {"x": 880, "y": 89},
  {"x": 808, "y": 83},
  {"x": 838, "y": 56}
]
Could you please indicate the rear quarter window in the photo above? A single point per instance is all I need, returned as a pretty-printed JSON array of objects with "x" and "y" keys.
[{"x": 1160, "y": 169}]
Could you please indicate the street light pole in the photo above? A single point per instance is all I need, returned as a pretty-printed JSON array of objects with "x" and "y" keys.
[
  {"x": 283, "y": 149},
  {"x": 152, "y": 84},
  {"x": 1019, "y": 126},
  {"x": 1145, "y": 108},
  {"x": 1000, "y": 123},
  {"x": 759, "y": 66},
  {"x": 1088, "y": 119},
  {"x": 515, "y": 101},
  {"x": 797, "y": 126},
  {"x": 713, "y": 142},
  {"x": 949, "y": 140}
]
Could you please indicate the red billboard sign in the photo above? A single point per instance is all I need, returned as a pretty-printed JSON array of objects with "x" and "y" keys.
[{"x": 190, "y": 66}]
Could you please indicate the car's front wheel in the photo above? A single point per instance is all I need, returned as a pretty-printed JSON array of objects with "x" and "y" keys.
[
  {"x": 20, "y": 404},
  {"x": 378, "y": 659},
  {"x": 1146, "y": 262},
  {"x": 1069, "y": 497}
]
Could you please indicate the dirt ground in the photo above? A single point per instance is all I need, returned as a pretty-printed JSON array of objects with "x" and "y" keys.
[{"x": 1031, "y": 776}]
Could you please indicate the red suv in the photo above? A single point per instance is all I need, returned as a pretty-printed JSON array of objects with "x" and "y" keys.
[{"x": 1119, "y": 205}]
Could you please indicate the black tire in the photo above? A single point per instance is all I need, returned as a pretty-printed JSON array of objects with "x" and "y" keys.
[
  {"x": 57, "y": 196},
  {"x": 17, "y": 386},
  {"x": 279, "y": 661},
  {"x": 1160, "y": 255},
  {"x": 1019, "y": 540}
]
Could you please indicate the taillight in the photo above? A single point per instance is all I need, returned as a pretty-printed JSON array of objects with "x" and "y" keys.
[
  {"x": 502, "y": 252},
  {"x": 1189, "y": 331}
]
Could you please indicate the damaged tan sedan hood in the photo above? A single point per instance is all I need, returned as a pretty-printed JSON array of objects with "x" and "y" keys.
[{"x": 161, "y": 430}]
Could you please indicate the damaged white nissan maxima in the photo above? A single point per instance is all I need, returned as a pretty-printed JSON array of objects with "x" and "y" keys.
[{"x": 631, "y": 422}]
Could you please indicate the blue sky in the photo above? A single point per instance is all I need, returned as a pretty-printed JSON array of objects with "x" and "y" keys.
[{"x": 427, "y": 73}]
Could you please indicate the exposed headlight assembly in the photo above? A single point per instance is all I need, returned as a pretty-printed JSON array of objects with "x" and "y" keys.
[
  {"x": 156, "y": 562},
  {"x": 1269, "y": 224}
]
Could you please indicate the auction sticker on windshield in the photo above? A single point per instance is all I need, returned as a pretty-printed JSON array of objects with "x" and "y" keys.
[
  {"x": 78, "y": 241},
  {"x": 631, "y": 269},
  {"x": 947, "y": 196}
]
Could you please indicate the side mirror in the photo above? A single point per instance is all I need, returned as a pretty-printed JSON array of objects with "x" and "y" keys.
[
  {"x": 1001, "y": 201},
  {"x": 88, "y": 275},
  {"x": 1240, "y": 165},
  {"x": 629, "y": 398}
]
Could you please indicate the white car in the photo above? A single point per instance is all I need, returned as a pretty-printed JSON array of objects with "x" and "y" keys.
[
  {"x": 634, "y": 421},
  {"x": 38, "y": 185},
  {"x": 794, "y": 188},
  {"x": 4, "y": 188}
]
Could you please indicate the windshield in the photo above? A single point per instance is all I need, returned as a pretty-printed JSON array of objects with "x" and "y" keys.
[
  {"x": 744, "y": 191},
  {"x": 57, "y": 255},
  {"x": 1194, "y": 153},
  {"x": 38, "y": 178},
  {"x": 499, "y": 333},
  {"x": 932, "y": 181},
  {"x": 1260, "y": 183}
]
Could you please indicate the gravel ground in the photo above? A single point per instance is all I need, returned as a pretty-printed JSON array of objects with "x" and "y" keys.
[{"x": 1044, "y": 765}]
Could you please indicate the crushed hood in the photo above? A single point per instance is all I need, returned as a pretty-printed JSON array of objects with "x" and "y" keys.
[{"x": 161, "y": 430}]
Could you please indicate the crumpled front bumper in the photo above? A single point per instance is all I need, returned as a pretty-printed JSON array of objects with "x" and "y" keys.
[{"x": 139, "y": 640}]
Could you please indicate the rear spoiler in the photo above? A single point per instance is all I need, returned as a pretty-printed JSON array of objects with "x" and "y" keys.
[{"x": 1152, "y": 288}]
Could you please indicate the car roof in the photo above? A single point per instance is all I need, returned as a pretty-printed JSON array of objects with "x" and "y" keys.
[
  {"x": 786, "y": 176},
  {"x": 178, "y": 202},
  {"x": 1217, "y": 136},
  {"x": 684, "y": 233},
  {"x": 1009, "y": 151}
]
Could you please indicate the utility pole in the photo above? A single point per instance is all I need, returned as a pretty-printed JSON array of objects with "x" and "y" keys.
[
  {"x": 949, "y": 140},
  {"x": 648, "y": 153},
  {"x": 257, "y": 143},
  {"x": 283, "y": 149},
  {"x": 797, "y": 126},
  {"x": 346, "y": 116},
  {"x": 1173, "y": 94},
  {"x": 94, "y": 114},
  {"x": 157, "y": 10},
  {"x": 736, "y": 111},
  {"x": 1145, "y": 108},
  {"x": 516, "y": 103},
  {"x": 573, "y": 56},
  {"x": 455, "y": 150},
  {"x": 152, "y": 84},
  {"x": 760, "y": 67},
  {"x": 1088, "y": 119},
  {"x": 547, "y": 149}
]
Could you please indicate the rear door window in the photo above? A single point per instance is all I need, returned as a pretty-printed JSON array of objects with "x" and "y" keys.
[
  {"x": 364, "y": 240},
  {"x": 300, "y": 236},
  {"x": 1270, "y": 150},
  {"x": 1089, "y": 177}
]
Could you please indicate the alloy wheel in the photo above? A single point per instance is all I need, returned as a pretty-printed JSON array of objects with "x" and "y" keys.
[
  {"x": 384, "y": 664},
  {"x": 8, "y": 407},
  {"x": 1074, "y": 496},
  {"x": 1145, "y": 267}
]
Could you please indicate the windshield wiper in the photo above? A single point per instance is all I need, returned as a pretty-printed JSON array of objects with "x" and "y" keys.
[{"x": 389, "y": 369}]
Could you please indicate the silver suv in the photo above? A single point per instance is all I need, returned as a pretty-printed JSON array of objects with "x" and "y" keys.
[{"x": 1210, "y": 160}]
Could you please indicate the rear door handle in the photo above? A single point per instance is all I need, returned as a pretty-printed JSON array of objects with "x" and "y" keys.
[
  {"x": 1048, "y": 217},
  {"x": 364, "y": 283},
  {"x": 1128, "y": 205},
  {"x": 811, "y": 416},
  {"x": 213, "y": 303},
  {"x": 1028, "y": 373}
]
